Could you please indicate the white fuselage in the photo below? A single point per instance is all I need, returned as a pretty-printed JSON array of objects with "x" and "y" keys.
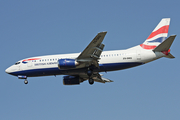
[{"x": 109, "y": 61}]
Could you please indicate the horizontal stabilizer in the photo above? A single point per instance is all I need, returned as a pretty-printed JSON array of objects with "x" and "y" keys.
[
  {"x": 165, "y": 45},
  {"x": 169, "y": 55}
]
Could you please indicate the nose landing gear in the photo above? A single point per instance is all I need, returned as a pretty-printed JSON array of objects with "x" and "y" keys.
[
  {"x": 23, "y": 77},
  {"x": 25, "y": 81}
]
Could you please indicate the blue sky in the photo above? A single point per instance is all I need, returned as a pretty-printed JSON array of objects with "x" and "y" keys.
[{"x": 33, "y": 28}]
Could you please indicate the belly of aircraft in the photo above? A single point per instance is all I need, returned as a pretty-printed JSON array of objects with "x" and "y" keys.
[{"x": 55, "y": 71}]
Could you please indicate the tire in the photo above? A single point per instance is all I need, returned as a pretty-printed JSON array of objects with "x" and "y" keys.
[
  {"x": 91, "y": 81},
  {"x": 25, "y": 82}
]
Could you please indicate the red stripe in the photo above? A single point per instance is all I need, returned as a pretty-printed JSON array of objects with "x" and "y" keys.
[
  {"x": 163, "y": 29},
  {"x": 149, "y": 47},
  {"x": 166, "y": 52},
  {"x": 32, "y": 59}
]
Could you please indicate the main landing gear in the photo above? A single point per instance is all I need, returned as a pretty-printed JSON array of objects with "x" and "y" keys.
[
  {"x": 91, "y": 81},
  {"x": 89, "y": 73}
]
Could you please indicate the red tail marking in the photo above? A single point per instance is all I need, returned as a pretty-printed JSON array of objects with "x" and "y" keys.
[
  {"x": 166, "y": 52},
  {"x": 163, "y": 29},
  {"x": 149, "y": 47}
]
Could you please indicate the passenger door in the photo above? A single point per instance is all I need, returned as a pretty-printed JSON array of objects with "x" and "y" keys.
[
  {"x": 138, "y": 55},
  {"x": 29, "y": 64}
]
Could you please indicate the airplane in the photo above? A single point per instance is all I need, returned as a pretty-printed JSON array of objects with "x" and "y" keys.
[{"x": 87, "y": 65}]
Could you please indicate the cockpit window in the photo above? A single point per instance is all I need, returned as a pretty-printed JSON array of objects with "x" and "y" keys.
[{"x": 17, "y": 63}]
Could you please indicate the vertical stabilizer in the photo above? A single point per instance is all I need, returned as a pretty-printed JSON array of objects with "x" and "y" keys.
[{"x": 158, "y": 35}]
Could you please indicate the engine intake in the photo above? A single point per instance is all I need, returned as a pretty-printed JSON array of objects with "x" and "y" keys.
[
  {"x": 71, "y": 80},
  {"x": 67, "y": 63}
]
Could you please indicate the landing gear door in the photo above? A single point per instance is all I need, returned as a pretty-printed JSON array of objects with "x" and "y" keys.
[{"x": 138, "y": 55}]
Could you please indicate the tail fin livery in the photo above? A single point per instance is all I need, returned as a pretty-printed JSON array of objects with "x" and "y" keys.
[{"x": 158, "y": 35}]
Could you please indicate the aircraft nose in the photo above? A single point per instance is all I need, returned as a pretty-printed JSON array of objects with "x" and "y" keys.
[{"x": 8, "y": 70}]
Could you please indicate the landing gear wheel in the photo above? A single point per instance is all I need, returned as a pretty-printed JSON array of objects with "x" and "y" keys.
[
  {"x": 89, "y": 73},
  {"x": 25, "y": 82},
  {"x": 91, "y": 81}
]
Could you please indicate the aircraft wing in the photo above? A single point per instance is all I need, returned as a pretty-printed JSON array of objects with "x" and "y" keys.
[
  {"x": 96, "y": 77},
  {"x": 92, "y": 52},
  {"x": 90, "y": 57},
  {"x": 99, "y": 78}
]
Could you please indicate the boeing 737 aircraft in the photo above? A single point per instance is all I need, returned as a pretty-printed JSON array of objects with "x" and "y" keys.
[{"x": 87, "y": 65}]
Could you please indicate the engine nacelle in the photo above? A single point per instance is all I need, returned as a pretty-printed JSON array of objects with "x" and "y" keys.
[
  {"x": 67, "y": 63},
  {"x": 71, "y": 80}
]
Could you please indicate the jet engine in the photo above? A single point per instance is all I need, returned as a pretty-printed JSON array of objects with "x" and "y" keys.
[
  {"x": 71, "y": 80},
  {"x": 67, "y": 63}
]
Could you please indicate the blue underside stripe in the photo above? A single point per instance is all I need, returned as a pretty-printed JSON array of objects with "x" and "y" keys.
[{"x": 56, "y": 71}]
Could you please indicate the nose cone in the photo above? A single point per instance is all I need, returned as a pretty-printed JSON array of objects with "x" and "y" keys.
[
  {"x": 8, "y": 70},
  {"x": 11, "y": 70}
]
